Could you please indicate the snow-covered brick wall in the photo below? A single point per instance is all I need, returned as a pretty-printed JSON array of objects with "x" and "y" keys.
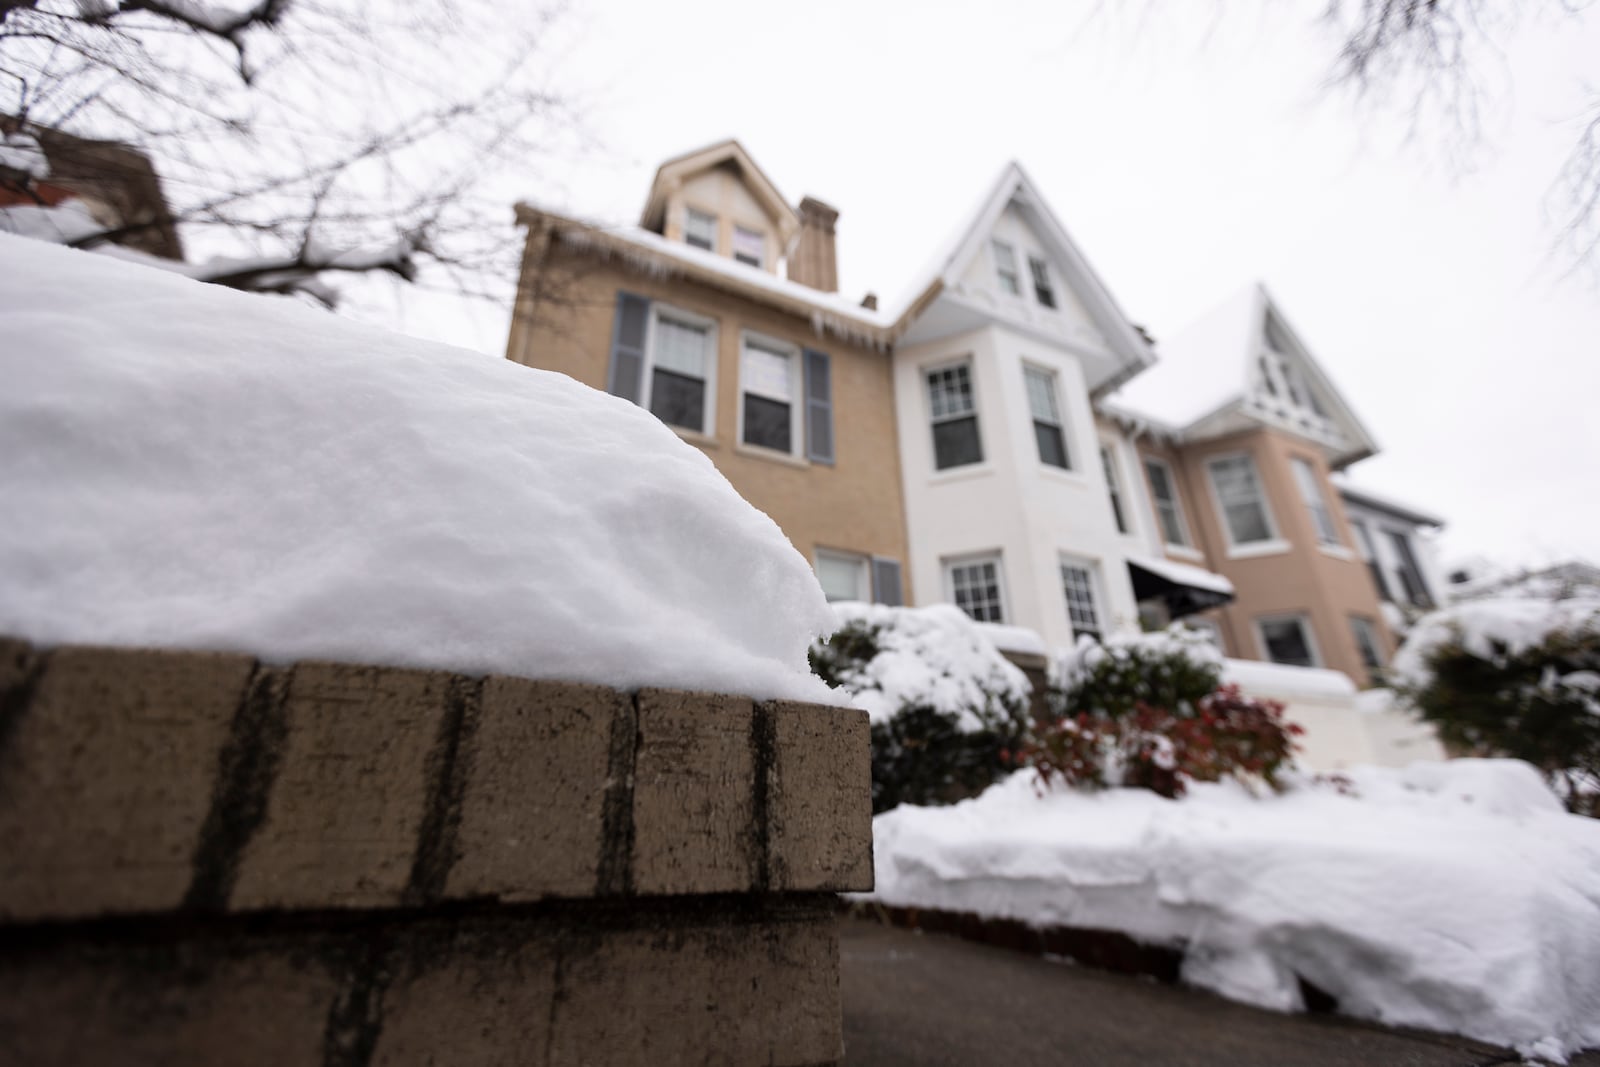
[
  {"x": 1451, "y": 896},
  {"x": 935, "y": 657},
  {"x": 191, "y": 467}
]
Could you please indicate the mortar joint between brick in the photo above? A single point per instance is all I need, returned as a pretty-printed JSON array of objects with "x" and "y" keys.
[
  {"x": 355, "y": 1018},
  {"x": 615, "y": 874},
  {"x": 763, "y": 756},
  {"x": 438, "y": 835},
  {"x": 17, "y": 698}
]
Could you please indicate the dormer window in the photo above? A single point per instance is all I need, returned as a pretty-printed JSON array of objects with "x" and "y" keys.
[
  {"x": 1005, "y": 268},
  {"x": 749, "y": 246},
  {"x": 700, "y": 230},
  {"x": 1042, "y": 290}
]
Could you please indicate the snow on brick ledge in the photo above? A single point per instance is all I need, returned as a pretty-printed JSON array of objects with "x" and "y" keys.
[{"x": 189, "y": 467}]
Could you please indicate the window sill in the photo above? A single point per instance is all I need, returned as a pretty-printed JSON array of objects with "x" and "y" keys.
[
  {"x": 957, "y": 474},
  {"x": 771, "y": 455},
  {"x": 1337, "y": 552},
  {"x": 1275, "y": 547},
  {"x": 695, "y": 438},
  {"x": 1193, "y": 555},
  {"x": 1063, "y": 474}
]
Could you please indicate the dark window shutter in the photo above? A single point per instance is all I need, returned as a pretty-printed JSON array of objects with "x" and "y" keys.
[
  {"x": 627, "y": 347},
  {"x": 819, "y": 407},
  {"x": 886, "y": 582}
]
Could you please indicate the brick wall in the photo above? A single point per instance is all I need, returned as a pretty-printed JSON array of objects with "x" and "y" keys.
[{"x": 210, "y": 860}]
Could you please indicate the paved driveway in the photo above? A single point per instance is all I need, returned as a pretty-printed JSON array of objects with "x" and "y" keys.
[{"x": 926, "y": 1000}]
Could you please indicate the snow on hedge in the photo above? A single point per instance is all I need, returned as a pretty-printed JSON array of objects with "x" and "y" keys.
[
  {"x": 1489, "y": 629},
  {"x": 1450, "y": 896},
  {"x": 1116, "y": 650},
  {"x": 187, "y": 466},
  {"x": 934, "y": 656}
]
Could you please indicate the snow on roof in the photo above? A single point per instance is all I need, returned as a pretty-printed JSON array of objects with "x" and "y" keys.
[
  {"x": 1202, "y": 367},
  {"x": 187, "y": 466},
  {"x": 1285, "y": 682},
  {"x": 1184, "y": 574},
  {"x": 1360, "y": 494}
]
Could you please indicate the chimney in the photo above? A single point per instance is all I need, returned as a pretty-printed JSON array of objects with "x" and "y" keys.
[{"x": 814, "y": 261}]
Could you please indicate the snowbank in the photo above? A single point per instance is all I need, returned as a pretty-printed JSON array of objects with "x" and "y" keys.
[
  {"x": 192, "y": 467},
  {"x": 1513, "y": 623},
  {"x": 933, "y": 656},
  {"x": 1450, "y": 896}
]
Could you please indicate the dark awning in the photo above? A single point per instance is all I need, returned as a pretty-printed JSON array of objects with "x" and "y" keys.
[{"x": 1185, "y": 590}]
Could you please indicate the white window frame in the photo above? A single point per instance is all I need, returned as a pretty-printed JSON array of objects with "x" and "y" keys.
[
  {"x": 862, "y": 563},
  {"x": 1304, "y": 473},
  {"x": 733, "y": 247},
  {"x": 948, "y": 565},
  {"x": 1356, "y": 623},
  {"x": 1274, "y": 541},
  {"x": 658, "y": 311},
  {"x": 1116, "y": 489},
  {"x": 689, "y": 211},
  {"x": 1259, "y": 625},
  {"x": 996, "y": 247},
  {"x": 1097, "y": 600},
  {"x": 1053, "y": 382},
  {"x": 1146, "y": 462},
  {"x": 796, "y": 395},
  {"x": 923, "y": 372}
]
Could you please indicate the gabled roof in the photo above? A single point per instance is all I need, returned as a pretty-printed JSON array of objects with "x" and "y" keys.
[
  {"x": 1208, "y": 369},
  {"x": 1360, "y": 494},
  {"x": 671, "y": 174},
  {"x": 947, "y": 266}
]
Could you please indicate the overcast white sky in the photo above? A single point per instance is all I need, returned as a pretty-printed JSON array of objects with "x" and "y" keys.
[{"x": 1187, "y": 153}]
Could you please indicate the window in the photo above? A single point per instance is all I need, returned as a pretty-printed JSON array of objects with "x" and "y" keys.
[
  {"x": 1114, "y": 487},
  {"x": 1005, "y": 268},
  {"x": 749, "y": 246},
  {"x": 1041, "y": 385},
  {"x": 678, "y": 361},
  {"x": 843, "y": 576},
  {"x": 975, "y": 587},
  {"x": 1366, "y": 636},
  {"x": 767, "y": 392},
  {"x": 1042, "y": 290},
  {"x": 1077, "y": 583},
  {"x": 853, "y": 576},
  {"x": 1369, "y": 552},
  {"x": 1408, "y": 571},
  {"x": 1287, "y": 640},
  {"x": 955, "y": 417},
  {"x": 1168, "y": 511},
  {"x": 1244, "y": 507},
  {"x": 700, "y": 229},
  {"x": 1305, "y": 476}
]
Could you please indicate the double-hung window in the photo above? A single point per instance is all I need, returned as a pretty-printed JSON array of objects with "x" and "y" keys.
[
  {"x": 1083, "y": 610},
  {"x": 1409, "y": 571},
  {"x": 1366, "y": 636},
  {"x": 1114, "y": 487},
  {"x": 975, "y": 587},
  {"x": 854, "y": 576},
  {"x": 1043, "y": 290},
  {"x": 1305, "y": 476},
  {"x": 679, "y": 361},
  {"x": 1244, "y": 505},
  {"x": 1369, "y": 552},
  {"x": 1287, "y": 639},
  {"x": 1005, "y": 268},
  {"x": 767, "y": 387},
  {"x": 1169, "y": 512},
  {"x": 700, "y": 229},
  {"x": 955, "y": 417},
  {"x": 1047, "y": 432},
  {"x": 749, "y": 246}
]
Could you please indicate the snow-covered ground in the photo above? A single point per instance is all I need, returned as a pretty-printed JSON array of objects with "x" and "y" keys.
[
  {"x": 1450, "y": 896},
  {"x": 191, "y": 467}
]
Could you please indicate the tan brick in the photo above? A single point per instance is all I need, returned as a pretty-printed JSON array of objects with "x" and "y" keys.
[
  {"x": 694, "y": 783},
  {"x": 532, "y": 805},
  {"x": 149, "y": 1009},
  {"x": 819, "y": 799},
  {"x": 480, "y": 1004},
  {"x": 741, "y": 994},
  {"x": 107, "y": 777},
  {"x": 345, "y": 811}
]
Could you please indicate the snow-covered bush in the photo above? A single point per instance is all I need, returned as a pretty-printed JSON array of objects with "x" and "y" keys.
[
  {"x": 948, "y": 710},
  {"x": 1514, "y": 677},
  {"x": 1146, "y": 712}
]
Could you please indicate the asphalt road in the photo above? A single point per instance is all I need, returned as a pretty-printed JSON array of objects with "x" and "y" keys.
[{"x": 927, "y": 1000}]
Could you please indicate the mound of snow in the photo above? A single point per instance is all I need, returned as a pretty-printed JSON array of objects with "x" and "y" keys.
[
  {"x": 1513, "y": 624},
  {"x": 934, "y": 656},
  {"x": 1454, "y": 897},
  {"x": 191, "y": 467}
]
